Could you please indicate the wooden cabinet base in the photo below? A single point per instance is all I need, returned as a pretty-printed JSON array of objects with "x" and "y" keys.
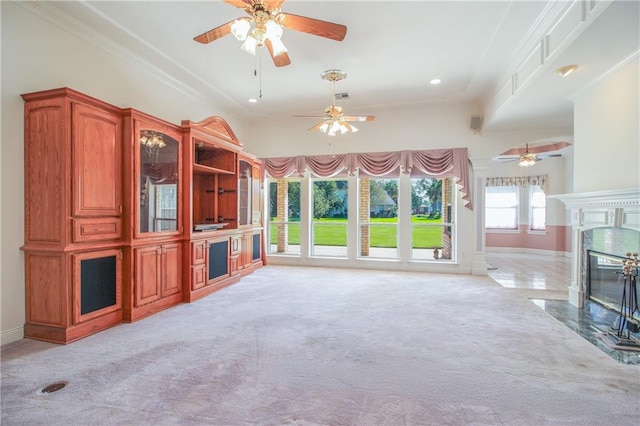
[
  {"x": 144, "y": 311},
  {"x": 71, "y": 334},
  {"x": 193, "y": 295}
]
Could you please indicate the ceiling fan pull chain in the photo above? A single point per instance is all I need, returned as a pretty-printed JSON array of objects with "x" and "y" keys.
[{"x": 260, "y": 82}]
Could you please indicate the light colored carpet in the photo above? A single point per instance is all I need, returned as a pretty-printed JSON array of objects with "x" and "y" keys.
[{"x": 322, "y": 346}]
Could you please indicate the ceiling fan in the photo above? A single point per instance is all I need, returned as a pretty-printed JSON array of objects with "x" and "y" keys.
[
  {"x": 335, "y": 122},
  {"x": 530, "y": 156},
  {"x": 264, "y": 27}
]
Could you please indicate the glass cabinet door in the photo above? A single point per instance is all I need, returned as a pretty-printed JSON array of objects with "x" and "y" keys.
[
  {"x": 159, "y": 182},
  {"x": 244, "y": 193}
]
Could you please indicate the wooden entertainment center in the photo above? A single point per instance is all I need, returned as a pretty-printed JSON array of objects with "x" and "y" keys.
[{"x": 127, "y": 215}]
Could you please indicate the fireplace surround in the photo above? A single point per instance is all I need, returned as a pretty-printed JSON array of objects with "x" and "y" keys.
[{"x": 606, "y": 222}]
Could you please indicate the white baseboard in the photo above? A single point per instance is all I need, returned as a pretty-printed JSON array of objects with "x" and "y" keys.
[
  {"x": 11, "y": 335},
  {"x": 527, "y": 251}
]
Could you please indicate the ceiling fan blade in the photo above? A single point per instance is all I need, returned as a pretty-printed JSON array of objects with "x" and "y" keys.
[
  {"x": 317, "y": 126},
  {"x": 368, "y": 118},
  {"x": 555, "y": 146},
  {"x": 239, "y": 3},
  {"x": 349, "y": 127},
  {"x": 313, "y": 26},
  {"x": 214, "y": 34},
  {"x": 273, "y": 4},
  {"x": 280, "y": 60}
]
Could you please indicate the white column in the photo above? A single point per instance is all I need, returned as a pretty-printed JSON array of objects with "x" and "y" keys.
[
  {"x": 306, "y": 212},
  {"x": 404, "y": 218},
  {"x": 353, "y": 197},
  {"x": 576, "y": 289},
  {"x": 479, "y": 263}
]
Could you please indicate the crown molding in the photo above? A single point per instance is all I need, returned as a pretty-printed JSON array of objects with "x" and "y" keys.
[
  {"x": 52, "y": 14},
  {"x": 552, "y": 13}
]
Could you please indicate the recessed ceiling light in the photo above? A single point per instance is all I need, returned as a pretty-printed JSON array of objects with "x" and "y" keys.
[
  {"x": 253, "y": 100},
  {"x": 435, "y": 81},
  {"x": 566, "y": 70}
]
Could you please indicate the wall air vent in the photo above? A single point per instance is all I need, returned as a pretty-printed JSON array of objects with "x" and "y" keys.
[{"x": 343, "y": 95}]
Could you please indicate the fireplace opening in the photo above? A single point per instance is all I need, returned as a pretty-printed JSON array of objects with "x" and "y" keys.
[{"x": 605, "y": 281}]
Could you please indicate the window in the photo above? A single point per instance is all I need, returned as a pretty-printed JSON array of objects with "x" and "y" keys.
[
  {"x": 538, "y": 208},
  {"x": 431, "y": 219},
  {"x": 329, "y": 218},
  {"x": 384, "y": 224},
  {"x": 283, "y": 227},
  {"x": 501, "y": 210},
  {"x": 378, "y": 218}
]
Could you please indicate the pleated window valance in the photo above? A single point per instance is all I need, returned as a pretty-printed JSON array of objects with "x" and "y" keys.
[
  {"x": 541, "y": 181},
  {"x": 436, "y": 163}
]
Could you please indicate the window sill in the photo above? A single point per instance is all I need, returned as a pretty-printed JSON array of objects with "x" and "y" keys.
[
  {"x": 536, "y": 232},
  {"x": 502, "y": 231}
]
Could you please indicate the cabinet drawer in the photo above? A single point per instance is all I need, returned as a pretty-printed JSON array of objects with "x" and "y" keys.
[
  {"x": 234, "y": 264},
  {"x": 198, "y": 252},
  {"x": 198, "y": 276},
  {"x": 234, "y": 247},
  {"x": 86, "y": 230}
]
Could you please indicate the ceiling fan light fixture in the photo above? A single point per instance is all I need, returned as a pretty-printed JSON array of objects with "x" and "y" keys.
[
  {"x": 240, "y": 28},
  {"x": 273, "y": 30},
  {"x": 527, "y": 160},
  {"x": 250, "y": 45}
]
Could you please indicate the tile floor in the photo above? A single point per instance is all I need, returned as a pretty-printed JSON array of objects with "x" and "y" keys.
[{"x": 544, "y": 279}]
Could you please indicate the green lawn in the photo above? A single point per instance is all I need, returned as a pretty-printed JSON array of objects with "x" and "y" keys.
[{"x": 333, "y": 232}]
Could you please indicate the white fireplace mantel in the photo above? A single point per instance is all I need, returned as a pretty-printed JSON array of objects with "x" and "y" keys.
[
  {"x": 611, "y": 198},
  {"x": 618, "y": 208}
]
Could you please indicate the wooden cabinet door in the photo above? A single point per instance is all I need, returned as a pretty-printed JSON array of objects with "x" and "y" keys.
[
  {"x": 96, "y": 158},
  {"x": 148, "y": 274},
  {"x": 45, "y": 167},
  {"x": 97, "y": 284},
  {"x": 247, "y": 250},
  {"x": 172, "y": 269}
]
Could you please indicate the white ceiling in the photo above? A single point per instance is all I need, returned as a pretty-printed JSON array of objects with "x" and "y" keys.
[{"x": 390, "y": 53}]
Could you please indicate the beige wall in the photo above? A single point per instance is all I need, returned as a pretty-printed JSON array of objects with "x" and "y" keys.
[{"x": 607, "y": 133}]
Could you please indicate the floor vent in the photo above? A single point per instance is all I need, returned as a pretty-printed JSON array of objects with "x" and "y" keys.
[{"x": 53, "y": 387}]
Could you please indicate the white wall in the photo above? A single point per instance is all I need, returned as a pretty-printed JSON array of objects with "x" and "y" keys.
[
  {"x": 36, "y": 55},
  {"x": 607, "y": 133},
  {"x": 399, "y": 128}
]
